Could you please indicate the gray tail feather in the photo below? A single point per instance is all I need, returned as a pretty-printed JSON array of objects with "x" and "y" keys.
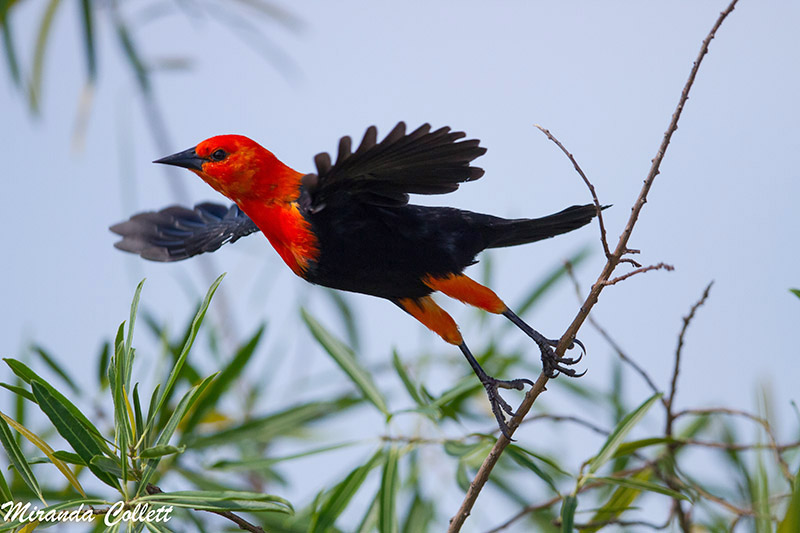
[{"x": 525, "y": 230}]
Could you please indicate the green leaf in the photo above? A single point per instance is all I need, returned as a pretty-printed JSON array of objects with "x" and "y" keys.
[
  {"x": 224, "y": 380},
  {"x": 160, "y": 451},
  {"x": 390, "y": 483},
  {"x": 176, "y": 369},
  {"x": 620, "y": 500},
  {"x": 796, "y": 292},
  {"x": 346, "y": 360},
  {"x": 17, "y": 458},
  {"x": 172, "y": 424},
  {"x": 88, "y": 39},
  {"x": 421, "y": 515},
  {"x": 19, "y": 391},
  {"x": 268, "y": 462},
  {"x": 127, "y": 362},
  {"x": 568, "y": 507},
  {"x": 102, "y": 364},
  {"x": 521, "y": 457},
  {"x": 55, "y": 367},
  {"x": 37, "y": 441},
  {"x": 285, "y": 422},
  {"x": 28, "y": 375},
  {"x": 132, "y": 55},
  {"x": 627, "y": 448},
  {"x": 8, "y": 46},
  {"x": 464, "y": 387},
  {"x": 109, "y": 466},
  {"x": 619, "y": 433},
  {"x": 338, "y": 498},
  {"x": 791, "y": 521},
  {"x": 73, "y": 431},
  {"x": 346, "y": 312},
  {"x": 412, "y": 389},
  {"x": 37, "y": 71},
  {"x": 5, "y": 491},
  {"x": 231, "y": 500},
  {"x": 638, "y": 484}
]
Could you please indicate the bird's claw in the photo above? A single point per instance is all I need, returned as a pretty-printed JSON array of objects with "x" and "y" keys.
[
  {"x": 500, "y": 407},
  {"x": 553, "y": 365}
]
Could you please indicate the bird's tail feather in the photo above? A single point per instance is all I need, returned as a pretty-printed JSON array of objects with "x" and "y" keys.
[{"x": 523, "y": 231}]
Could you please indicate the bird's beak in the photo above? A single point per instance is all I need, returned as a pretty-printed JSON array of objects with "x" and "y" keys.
[{"x": 186, "y": 159}]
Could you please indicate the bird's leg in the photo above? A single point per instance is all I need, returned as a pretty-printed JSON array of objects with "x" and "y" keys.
[
  {"x": 471, "y": 292},
  {"x": 551, "y": 364},
  {"x": 500, "y": 407},
  {"x": 434, "y": 317}
]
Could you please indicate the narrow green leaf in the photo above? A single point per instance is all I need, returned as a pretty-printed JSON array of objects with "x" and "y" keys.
[
  {"x": 421, "y": 515},
  {"x": 346, "y": 360},
  {"x": 55, "y": 367},
  {"x": 620, "y": 501},
  {"x": 627, "y": 448},
  {"x": 268, "y": 462},
  {"x": 109, "y": 466},
  {"x": 28, "y": 375},
  {"x": 264, "y": 429},
  {"x": 37, "y": 71},
  {"x": 88, "y": 39},
  {"x": 159, "y": 451},
  {"x": 412, "y": 389},
  {"x": 102, "y": 364},
  {"x": 37, "y": 441},
  {"x": 69, "y": 457},
  {"x": 457, "y": 448},
  {"x": 390, "y": 483},
  {"x": 220, "y": 501},
  {"x": 5, "y": 491},
  {"x": 17, "y": 458},
  {"x": 791, "y": 521},
  {"x": 19, "y": 391},
  {"x": 521, "y": 458},
  {"x": 8, "y": 46},
  {"x": 69, "y": 427},
  {"x": 137, "y": 413},
  {"x": 796, "y": 292},
  {"x": 568, "y": 506},
  {"x": 369, "y": 522},
  {"x": 194, "y": 328},
  {"x": 619, "y": 433},
  {"x": 172, "y": 424},
  {"x": 348, "y": 318},
  {"x": 128, "y": 353},
  {"x": 336, "y": 501},
  {"x": 638, "y": 484},
  {"x": 464, "y": 387},
  {"x": 132, "y": 55},
  {"x": 224, "y": 380}
]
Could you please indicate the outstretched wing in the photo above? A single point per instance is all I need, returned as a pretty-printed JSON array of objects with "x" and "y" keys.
[
  {"x": 177, "y": 232},
  {"x": 386, "y": 172}
]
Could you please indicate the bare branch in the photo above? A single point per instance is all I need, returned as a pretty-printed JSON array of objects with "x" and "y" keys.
[
  {"x": 660, "y": 266},
  {"x": 611, "y": 263},
  {"x": 588, "y": 183}
]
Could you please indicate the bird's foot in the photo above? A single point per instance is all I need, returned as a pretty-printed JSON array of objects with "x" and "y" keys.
[
  {"x": 553, "y": 365},
  {"x": 500, "y": 407}
]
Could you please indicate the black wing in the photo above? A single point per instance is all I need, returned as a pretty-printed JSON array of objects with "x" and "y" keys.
[
  {"x": 421, "y": 162},
  {"x": 177, "y": 232}
]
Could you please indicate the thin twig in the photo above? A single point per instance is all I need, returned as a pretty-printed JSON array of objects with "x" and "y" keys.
[
  {"x": 674, "y": 384},
  {"x": 612, "y": 261},
  {"x": 659, "y": 266},
  {"x": 588, "y": 183}
]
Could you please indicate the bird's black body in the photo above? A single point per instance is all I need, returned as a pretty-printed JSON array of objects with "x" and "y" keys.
[{"x": 387, "y": 251}]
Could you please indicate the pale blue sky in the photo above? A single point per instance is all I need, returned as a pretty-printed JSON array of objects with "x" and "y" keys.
[{"x": 604, "y": 77}]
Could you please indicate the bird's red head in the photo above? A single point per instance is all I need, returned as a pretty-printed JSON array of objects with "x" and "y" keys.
[{"x": 239, "y": 168}]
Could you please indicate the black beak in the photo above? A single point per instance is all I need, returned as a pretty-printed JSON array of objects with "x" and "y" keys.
[{"x": 186, "y": 159}]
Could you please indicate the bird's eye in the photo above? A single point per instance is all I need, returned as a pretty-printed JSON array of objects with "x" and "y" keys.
[{"x": 219, "y": 155}]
